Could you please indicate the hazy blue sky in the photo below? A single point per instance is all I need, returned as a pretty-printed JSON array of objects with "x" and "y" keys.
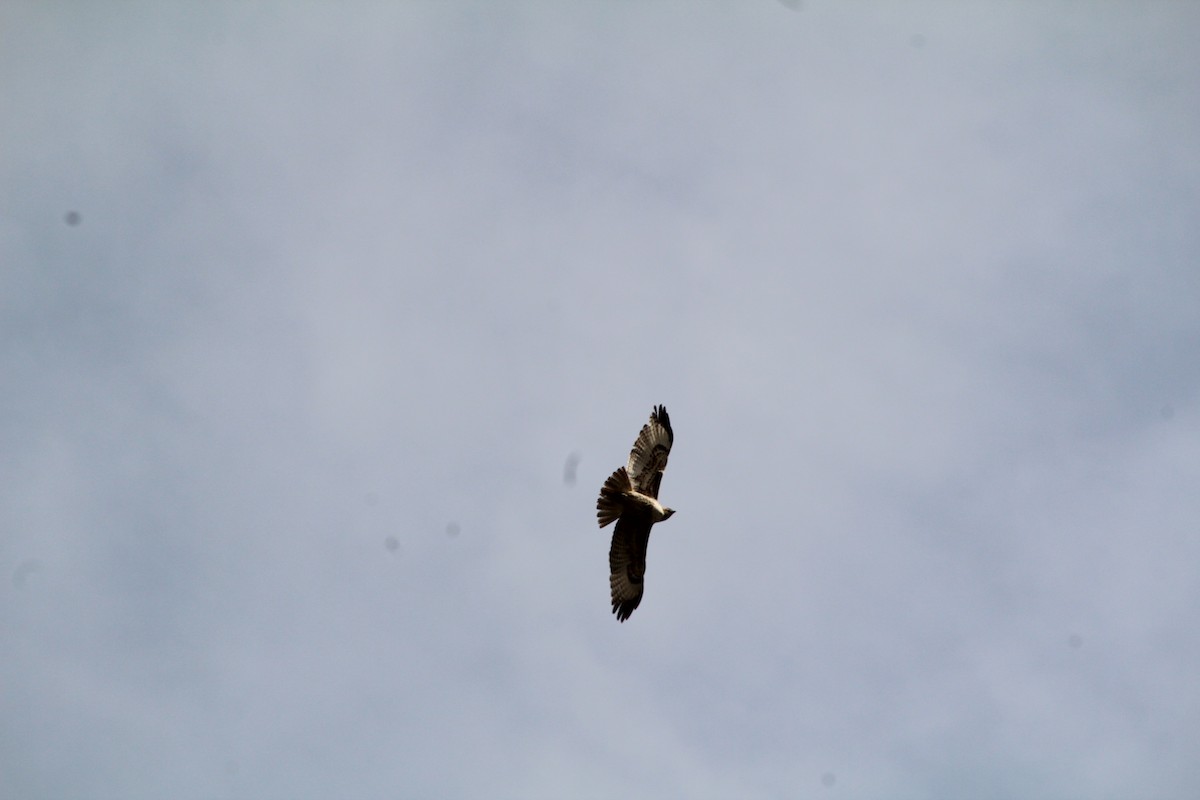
[{"x": 305, "y": 307}]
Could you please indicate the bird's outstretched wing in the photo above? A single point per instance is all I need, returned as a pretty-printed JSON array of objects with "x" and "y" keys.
[
  {"x": 627, "y": 562},
  {"x": 648, "y": 458}
]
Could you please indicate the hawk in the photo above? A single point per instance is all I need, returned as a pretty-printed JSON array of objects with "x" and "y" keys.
[{"x": 630, "y": 498}]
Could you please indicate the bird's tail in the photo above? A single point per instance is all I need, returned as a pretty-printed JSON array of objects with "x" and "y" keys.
[{"x": 610, "y": 505}]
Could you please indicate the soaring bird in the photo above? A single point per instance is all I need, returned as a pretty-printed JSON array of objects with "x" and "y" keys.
[{"x": 630, "y": 498}]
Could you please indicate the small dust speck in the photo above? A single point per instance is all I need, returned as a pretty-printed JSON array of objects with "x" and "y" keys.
[
  {"x": 392, "y": 544},
  {"x": 72, "y": 218},
  {"x": 569, "y": 469},
  {"x": 453, "y": 530},
  {"x": 1075, "y": 641},
  {"x": 828, "y": 779},
  {"x": 23, "y": 572}
]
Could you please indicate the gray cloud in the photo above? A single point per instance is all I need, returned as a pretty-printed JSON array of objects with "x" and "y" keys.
[{"x": 918, "y": 285}]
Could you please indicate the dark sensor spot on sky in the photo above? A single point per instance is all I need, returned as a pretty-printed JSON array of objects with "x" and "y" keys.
[
  {"x": 828, "y": 779},
  {"x": 24, "y": 570},
  {"x": 569, "y": 469},
  {"x": 392, "y": 544},
  {"x": 453, "y": 530},
  {"x": 1075, "y": 641},
  {"x": 72, "y": 218}
]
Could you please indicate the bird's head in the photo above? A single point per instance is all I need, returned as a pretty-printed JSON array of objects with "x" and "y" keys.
[{"x": 667, "y": 512}]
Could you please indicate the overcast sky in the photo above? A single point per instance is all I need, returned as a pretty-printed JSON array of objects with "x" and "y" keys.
[{"x": 307, "y": 312}]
